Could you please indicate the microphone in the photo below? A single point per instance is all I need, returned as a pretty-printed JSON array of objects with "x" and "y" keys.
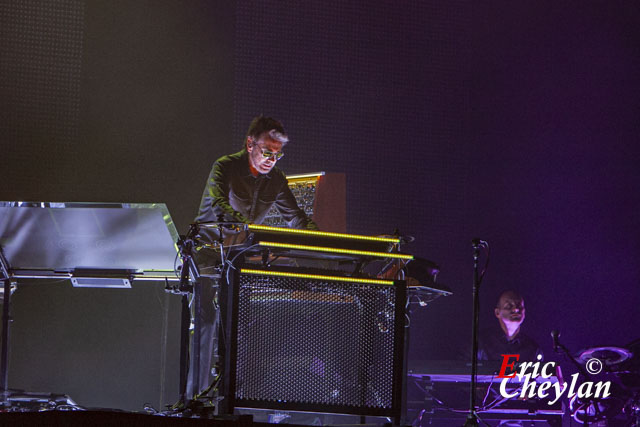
[
  {"x": 477, "y": 242},
  {"x": 554, "y": 336}
]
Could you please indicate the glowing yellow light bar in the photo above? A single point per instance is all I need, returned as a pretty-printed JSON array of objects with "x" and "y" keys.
[
  {"x": 336, "y": 250},
  {"x": 322, "y": 233},
  {"x": 316, "y": 277},
  {"x": 305, "y": 175}
]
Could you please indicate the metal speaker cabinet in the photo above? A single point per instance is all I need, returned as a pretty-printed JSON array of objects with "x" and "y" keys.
[{"x": 314, "y": 343}]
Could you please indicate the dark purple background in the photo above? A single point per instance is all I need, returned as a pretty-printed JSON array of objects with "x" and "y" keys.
[{"x": 516, "y": 123}]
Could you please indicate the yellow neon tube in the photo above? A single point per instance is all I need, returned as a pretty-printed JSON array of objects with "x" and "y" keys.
[
  {"x": 305, "y": 175},
  {"x": 335, "y": 250},
  {"x": 322, "y": 233},
  {"x": 316, "y": 277}
]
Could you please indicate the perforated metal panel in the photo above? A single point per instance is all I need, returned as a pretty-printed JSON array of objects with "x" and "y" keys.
[
  {"x": 304, "y": 192},
  {"x": 315, "y": 343}
]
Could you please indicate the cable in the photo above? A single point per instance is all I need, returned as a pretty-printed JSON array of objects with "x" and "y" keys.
[
  {"x": 230, "y": 263},
  {"x": 175, "y": 265},
  {"x": 487, "y": 393},
  {"x": 206, "y": 391}
]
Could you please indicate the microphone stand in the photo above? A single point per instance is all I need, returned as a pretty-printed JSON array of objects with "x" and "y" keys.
[
  {"x": 472, "y": 418},
  {"x": 189, "y": 270}
]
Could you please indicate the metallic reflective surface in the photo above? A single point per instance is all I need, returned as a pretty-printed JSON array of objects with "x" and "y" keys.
[{"x": 46, "y": 238}]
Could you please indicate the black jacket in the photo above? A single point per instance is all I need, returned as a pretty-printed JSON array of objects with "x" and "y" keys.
[
  {"x": 493, "y": 343},
  {"x": 233, "y": 194}
]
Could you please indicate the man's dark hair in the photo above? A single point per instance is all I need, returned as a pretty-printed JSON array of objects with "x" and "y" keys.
[{"x": 262, "y": 124}]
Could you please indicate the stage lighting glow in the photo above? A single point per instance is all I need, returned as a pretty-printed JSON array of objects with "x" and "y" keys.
[
  {"x": 258, "y": 227},
  {"x": 336, "y": 250},
  {"x": 316, "y": 277}
]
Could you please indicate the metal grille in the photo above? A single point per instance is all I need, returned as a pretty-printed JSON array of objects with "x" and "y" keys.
[{"x": 315, "y": 342}]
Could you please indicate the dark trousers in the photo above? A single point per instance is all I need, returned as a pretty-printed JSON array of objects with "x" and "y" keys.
[{"x": 209, "y": 323}]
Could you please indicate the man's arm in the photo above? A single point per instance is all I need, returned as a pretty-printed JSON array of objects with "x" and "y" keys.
[
  {"x": 218, "y": 187},
  {"x": 287, "y": 205}
]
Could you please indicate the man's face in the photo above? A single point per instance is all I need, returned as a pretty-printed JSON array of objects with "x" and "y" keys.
[
  {"x": 259, "y": 148},
  {"x": 510, "y": 309}
]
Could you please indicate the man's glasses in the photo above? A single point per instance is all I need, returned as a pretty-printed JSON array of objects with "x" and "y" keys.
[{"x": 270, "y": 154}]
